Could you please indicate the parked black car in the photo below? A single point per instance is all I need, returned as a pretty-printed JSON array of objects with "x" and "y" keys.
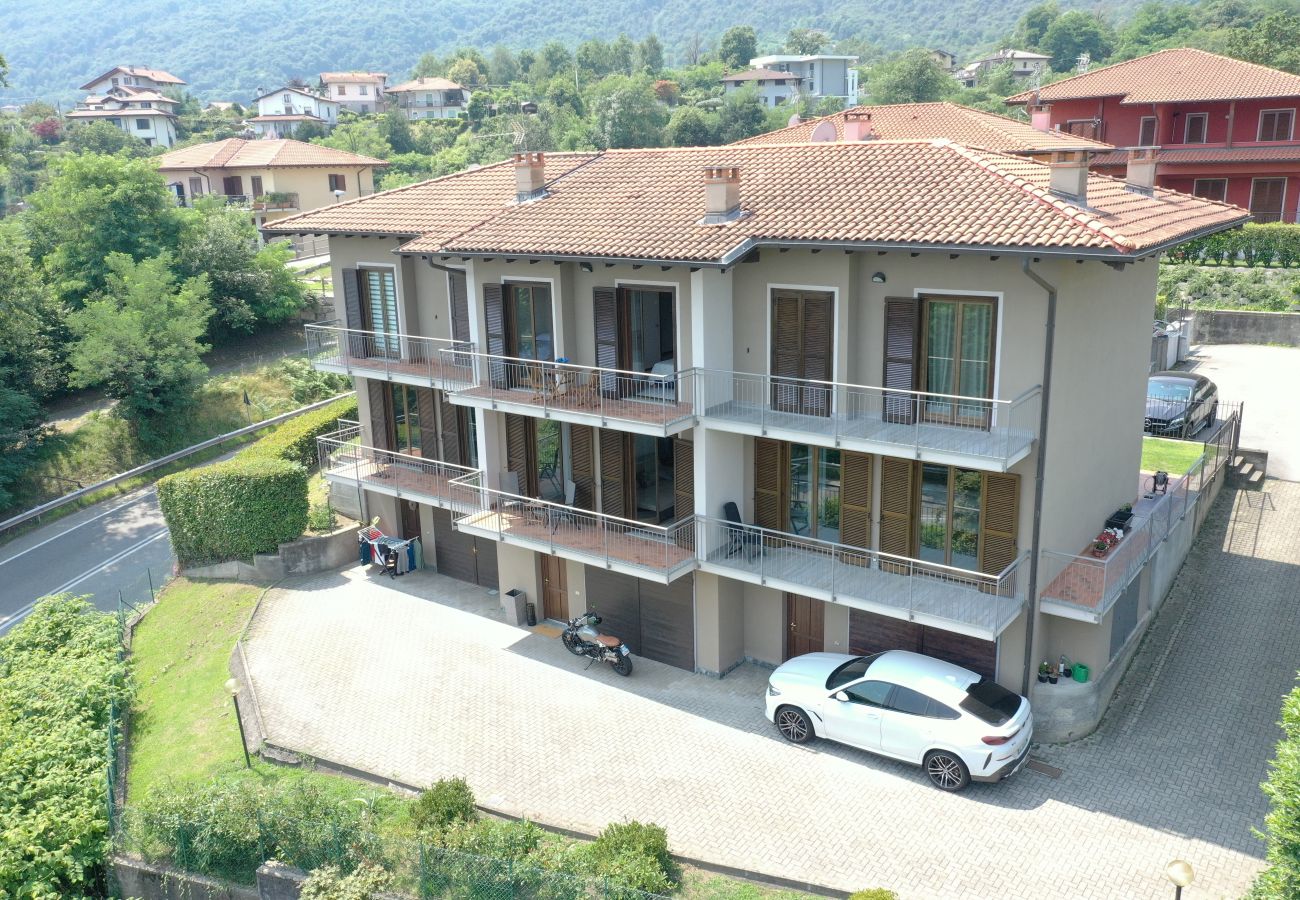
[{"x": 1180, "y": 404}]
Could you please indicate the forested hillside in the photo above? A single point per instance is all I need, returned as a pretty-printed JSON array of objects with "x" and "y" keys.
[{"x": 228, "y": 49}]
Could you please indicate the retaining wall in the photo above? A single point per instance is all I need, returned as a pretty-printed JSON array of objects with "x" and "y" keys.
[
  {"x": 305, "y": 556},
  {"x": 1219, "y": 326}
]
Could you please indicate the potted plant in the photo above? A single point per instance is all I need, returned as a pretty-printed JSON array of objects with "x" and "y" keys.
[
  {"x": 1100, "y": 549},
  {"x": 1043, "y": 670},
  {"x": 1051, "y": 674},
  {"x": 1120, "y": 518}
]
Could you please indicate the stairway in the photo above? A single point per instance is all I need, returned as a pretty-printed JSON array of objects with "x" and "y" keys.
[{"x": 1249, "y": 469}]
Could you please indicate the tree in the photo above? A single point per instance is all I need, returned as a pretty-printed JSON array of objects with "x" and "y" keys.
[
  {"x": 1274, "y": 42},
  {"x": 503, "y": 68},
  {"x": 364, "y": 136},
  {"x": 101, "y": 137},
  {"x": 309, "y": 131},
  {"x": 428, "y": 65},
  {"x": 1281, "y": 880},
  {"x": 554, "y": 59},
  {"x": 742, "y": 115},
  {"x": 92, "y": 206},
  {"x": 594, "y": 58},
  {"x": 622, "y": 55},
  {"x": 49, "y": 130},
  {"x": 139, "y": 340},
  {"x": 1156, "y": 26},
  {"x": 465, "y": 72},
  {"x": 395, "y": 128},
  {"x": 805, "y": 41},
  {"x": 1072, "y": 34},
  {"x": 738, "y": 46},
  {"x": 690, "y": 126},
  {"x": 650, "y": 56},
  {"x": 626, "y": 113},
  {"x": 911, "y": 77},
  {"x": 667, "y": 92},
  {"x": 694, "y": 49},
  {"x": 1033, "y": 25}
]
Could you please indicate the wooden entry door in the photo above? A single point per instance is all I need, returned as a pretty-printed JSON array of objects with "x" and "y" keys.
[
  {"x": 806, "y": 628},
  {"x": 555, "y": 591}
]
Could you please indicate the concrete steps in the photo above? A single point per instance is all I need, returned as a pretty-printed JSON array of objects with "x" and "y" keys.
[{"x": 1248, "y": 470}]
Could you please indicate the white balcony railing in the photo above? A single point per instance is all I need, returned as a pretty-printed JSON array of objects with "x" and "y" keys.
[
  {"x": 957, "y": 599},
  {"x": 659, "y": 552},
  {"x": 343, "y": 456},
  {"x": 872, "y": 418},
  {"x": 434, "y": 362},
  {"x": 659, "y": 403}
]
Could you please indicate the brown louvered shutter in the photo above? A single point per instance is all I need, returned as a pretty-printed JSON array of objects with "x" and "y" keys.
[
  {"x": 605, "y": 313},
  {"x": 517, "y": 452},
  {"x": 786, "y": 351},
  {"x": 855, "y": 499},
  {"x": 449, "y": 425},
  {"x": 683, "y": 478},
  {"x": 426, "y": 404},
  {"x": 352, "y": 312},
  {"x": 771, "y": 468},
  {"x": 459, "y": 306},
  {"x": 380, "y": 419},
  {"x": 613, "y": 465},
  {"x": 999, "y": 515},
  {"x": 817, "y": 331},
  {"x": 494, "y": 317},
  {"x": 897, "y": 507},
  {"x": 901, "y": 336},
  {"x": 582, "y": 463}
]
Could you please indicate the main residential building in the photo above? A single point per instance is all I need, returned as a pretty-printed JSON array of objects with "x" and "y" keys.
[{"x": 749, "y": 402}]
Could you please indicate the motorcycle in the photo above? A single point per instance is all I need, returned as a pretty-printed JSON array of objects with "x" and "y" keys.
[{"x": 582, "y": 639}]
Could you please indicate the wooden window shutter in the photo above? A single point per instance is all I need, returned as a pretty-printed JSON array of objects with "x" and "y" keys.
[
  {"x": 613, "y": 468},
  {"x": 771, "y": 470},
  {"x": 517, "y": 455},
  {"x": 582, "y": 463},
  {"x": 605, "y": 313},
  {"x": 683, "y": 478},
  {"x": 897, "y": 507},
  {"x": 999, "y": 517},
  {"x": 459, "y": 306},
  {"x": 426, "y": 403},
  {"x": 855, "y": 498},
  {"x": 449, "y": 426},
  {"x": 901, "y": 339},
  {"x": 495, "y": 320},
  {"x": 352, "y": 312},
  {"x": 377, "y": 392},
  {"x": 787, "y": 347},
  {"x": 818, "y": 330}
]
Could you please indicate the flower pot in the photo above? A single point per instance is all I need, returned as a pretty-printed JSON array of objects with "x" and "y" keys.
[
  {"x": 1120, "y": 519},
  {"x": 1100, "y": 554},
  {"x": 1067, "y": 673},
  {"x": 1052, "y": 679},
  {"x": 1042, "y": 679}
]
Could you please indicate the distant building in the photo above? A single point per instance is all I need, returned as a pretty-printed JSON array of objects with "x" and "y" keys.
[
  {"x": 280, "y": 112},
  {"x": 131, "y": 77},
  {"x": 429, "y": 98},
  {"x": 778, "y": 78},
  {"x": 131, "y": 98},
  {"x": 220, "y": 105},
  {"x": 360, "y": 92},
  {"x": 1024, "y": 65},
  {"x": 946, "y": 59}
]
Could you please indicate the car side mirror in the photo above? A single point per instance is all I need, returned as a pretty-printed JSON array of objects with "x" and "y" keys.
[{"x": 841, "y": 696}]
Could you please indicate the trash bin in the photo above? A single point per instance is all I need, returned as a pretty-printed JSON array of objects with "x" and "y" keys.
[
  {"x": 532, "y": 614},
  {"x": 513, "y": 605},
  {"x": 1080, "y": 673}
]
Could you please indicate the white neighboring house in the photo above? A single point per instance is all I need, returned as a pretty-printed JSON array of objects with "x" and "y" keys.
[
  {"x": 1024, "y": 65},
  {"x": 429, "y": 98},
  {"x": 360, "y": 92},
  {"x": 280, "y": 112},
  {"x": 140, "y": 112},
  {"x": 773, "y": 87},
  {"x": 137, "y": 77},
  {"x": 817, "y": 75}
]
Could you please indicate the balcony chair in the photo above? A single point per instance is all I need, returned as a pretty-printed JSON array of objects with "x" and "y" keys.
[
  {"x": 740, "y": 537},
  {"x": 510, "y": 484},
  {"x": 567, "y": 513}
]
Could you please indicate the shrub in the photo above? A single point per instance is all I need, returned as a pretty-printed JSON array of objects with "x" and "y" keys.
[
  {"x": 492, "y": 838},
  {"x": 234, "y": 509},
  {"x": 448, "y": 802},
  {"x": 1282, "y": 824},
  {"x": 635, "y": 855},
  {"x": 321, "y": 518},
  {"x": 1252, "y": 245},
  {"x": 307, "y": 385},
  {"x": 60, "y": 674},
  {"x": 329, "y": 883},
  {"x": 873, "y": 894},
  {"x": 295, "y": 440}
]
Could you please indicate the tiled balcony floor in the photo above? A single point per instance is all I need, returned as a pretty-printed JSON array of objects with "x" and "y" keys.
[{"x": 647, "y": 410}]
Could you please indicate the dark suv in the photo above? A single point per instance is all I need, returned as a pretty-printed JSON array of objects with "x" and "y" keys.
[{"x": 1180, "y": 404}]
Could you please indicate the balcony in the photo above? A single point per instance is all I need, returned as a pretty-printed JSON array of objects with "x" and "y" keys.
[
  {"x": 640, "y": 402},
  {"x": 659, "y": 553},
  {"x": 422, "y": 361},
  {"x": 970, "y": 603},
  {"x": 940, "y": 428},
  {"x": 345, "y": 460},
  {"x": 277, "y": 201}
]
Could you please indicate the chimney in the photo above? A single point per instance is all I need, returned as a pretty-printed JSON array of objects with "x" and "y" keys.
[
  {"x": 1141, "y": 171},
  {"x": 721, "y": 194},
  {"x": 1040, "y": 116},
  {"x": 530, "y": 176},
  {"x": 1069, "y": 175},
  {"x": 857, "y": 127}
]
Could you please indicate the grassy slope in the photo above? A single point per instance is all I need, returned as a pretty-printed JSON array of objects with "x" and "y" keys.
[{"x": 1165, "y": 455}]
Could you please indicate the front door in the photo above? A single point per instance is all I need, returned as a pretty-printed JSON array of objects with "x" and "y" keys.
[
  {"x": 806, "y": 625},
  {"x": 802, "y": 326},
  {"x": 555, "y": 594},
  {"x": 410, "y": 519}
]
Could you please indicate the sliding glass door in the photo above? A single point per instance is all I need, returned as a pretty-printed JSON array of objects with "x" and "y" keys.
[{"x": 958, "y": 336}]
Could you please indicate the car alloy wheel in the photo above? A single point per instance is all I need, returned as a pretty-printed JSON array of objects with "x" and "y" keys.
[
  {"x": 947, "y": 772},
  {"x": 793, "y": 724}
]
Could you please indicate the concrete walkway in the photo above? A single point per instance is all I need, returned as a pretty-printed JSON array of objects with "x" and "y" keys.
[{"x": 418, "y": 678}]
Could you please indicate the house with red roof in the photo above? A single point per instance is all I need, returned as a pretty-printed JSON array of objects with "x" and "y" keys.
[
  {"x": 1225, "y": 129},
  {"x": 131, "y": 98}
]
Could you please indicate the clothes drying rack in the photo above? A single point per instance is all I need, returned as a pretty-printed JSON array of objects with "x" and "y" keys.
[{"x": 394, "y": 555}]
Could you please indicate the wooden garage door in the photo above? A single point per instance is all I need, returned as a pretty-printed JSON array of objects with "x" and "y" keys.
[
  {"x": 656, "y": 621},
  {"x": 462, "y": 555},
  {"x": 872, "y": 633}
]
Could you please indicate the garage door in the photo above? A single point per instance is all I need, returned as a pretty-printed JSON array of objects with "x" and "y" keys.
[
  {"x": 871, "y": 633},
  {"x": 656, "y": 621},
  {"x": 462, "y": 555}
]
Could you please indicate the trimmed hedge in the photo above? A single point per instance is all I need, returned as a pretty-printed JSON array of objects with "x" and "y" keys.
[
  {"x": 1281, "y": 880},
  {"x": 295, "y": 440},
  {"x": 234, "y": 509},
  {"x": 1272, "y": 245}
]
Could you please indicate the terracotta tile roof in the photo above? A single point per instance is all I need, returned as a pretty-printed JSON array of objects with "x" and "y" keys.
[
  {"x": 756, "y": 74},
  {"x": 425, "y": 84},
  {"x": 287, "y": 117},
  {"x": 99, "y": 112},
  {"x": 437, "y": 210},
  {"x": 235, "y": 153},
  {"x": 157, "y": 75},
  {"x": 1198, "y": 155},
  {"x": 353, "y": 76},
  {"x": 647, "y": 205},
  {"x": 321, "y": 98},
  {"x": 929, "y": 121},
  {"x": 1172, "y": 76}
]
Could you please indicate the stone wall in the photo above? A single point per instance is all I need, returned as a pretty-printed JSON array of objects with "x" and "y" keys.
[
  {"x": 1218, "y": 326},
  {"x": 148, "y": 881},
  {"x": 305, "y": 556}
]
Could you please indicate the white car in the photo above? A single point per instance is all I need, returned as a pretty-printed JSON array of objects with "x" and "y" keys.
[{"x": 956, "y": 724}]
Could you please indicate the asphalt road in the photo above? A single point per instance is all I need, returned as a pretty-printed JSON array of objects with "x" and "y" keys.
[{"x": 119, "y": 545}]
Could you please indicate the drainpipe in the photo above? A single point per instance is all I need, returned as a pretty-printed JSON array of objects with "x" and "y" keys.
[{"x": 1049, "y": 339}]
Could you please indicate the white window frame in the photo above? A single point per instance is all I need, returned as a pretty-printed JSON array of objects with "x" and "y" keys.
[
  {"x": 1197, "y": 182},
  {"x": 559, "y": 349},
  {"x": 1259, "y": 132},
  {"x": 399, "y": 288},
  {"x": 1205, "y": 130},
  {"x": 676, "y": 288},
  {"x": 1282, "y": 207},
  {"x": 1155, "y": 131}
]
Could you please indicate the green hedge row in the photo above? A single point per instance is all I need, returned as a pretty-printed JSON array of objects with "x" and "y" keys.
[
  {"x": 295, "y": 440},
  {"x": 1275, "y": 244}
]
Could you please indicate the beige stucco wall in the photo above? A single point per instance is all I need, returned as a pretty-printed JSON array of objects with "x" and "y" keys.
[
  {"x": 835, "y": 632},
  {"x": 517, "y": 568},
  {"x": 311, "y": 184},
  {"x": 719, "y": 623},
  {"x": 764, "y": 624}
]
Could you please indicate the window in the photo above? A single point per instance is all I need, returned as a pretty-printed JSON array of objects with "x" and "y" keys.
[
  {"x": 141, "y": 124},
  {"x": 338, "y": 183},
  {"x": 957, "y": 358},
  {"x": 814, "y": 492},
  {"x": 196, "y": 186},
  {"x": 938, "y": 710},
  {"x": 232, "y": 185},
  {"x": 655, "y": 478},
  {"x": 257, "y": 185},
  {"x": 1211, "y": 189},
  {"x": 950, "y": 516},
  {"x": 1275, "y": 124},
  {"x": 365, "y": 90},
  {"x": 869, "y": 693},
  {"x": 468, "y": 431},
  {"x": 146, "y": 105},
  {"x": 850, "y": 671},
  {"x": 428, "y": 99},
  {"x": 1085, "y": 128},
  {"x": 287, "y": 99},
  {"x": 906, "y": 700},
  {"x": 115, "y": 121},
  {"x": 1147, "y": 132},
  {"x": 549, "y": 459},
  {"x": 406, "y": 419},
  {"x": 1267, "y": 198},
  {"x": 529, "y": 324},
  {"x": 1196, "y": 128},
  {"x": 379, "y": 309},
  {"x": 991, "y": 702},
  {"x": 365, "y": 108},
  {"x": 341, "y": 90}
]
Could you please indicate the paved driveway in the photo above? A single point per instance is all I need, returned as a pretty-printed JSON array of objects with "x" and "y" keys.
[{"x": 409, "y": 679}]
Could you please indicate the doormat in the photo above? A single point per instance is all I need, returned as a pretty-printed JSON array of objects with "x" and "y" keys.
[{"x": 547, "y": 630}]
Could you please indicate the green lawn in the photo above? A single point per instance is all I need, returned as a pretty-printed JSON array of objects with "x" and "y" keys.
[{"x": 1165, "y": 455}]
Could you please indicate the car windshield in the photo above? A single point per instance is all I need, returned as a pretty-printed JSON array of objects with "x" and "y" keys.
[
  {"x": 1169, "y": 390},
  {"x": 991, "y": 702},
  {"x": 850, "y": 671}
]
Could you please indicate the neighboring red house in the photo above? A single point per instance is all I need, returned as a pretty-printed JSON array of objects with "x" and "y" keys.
[{"x": 1226, "y": 129}]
